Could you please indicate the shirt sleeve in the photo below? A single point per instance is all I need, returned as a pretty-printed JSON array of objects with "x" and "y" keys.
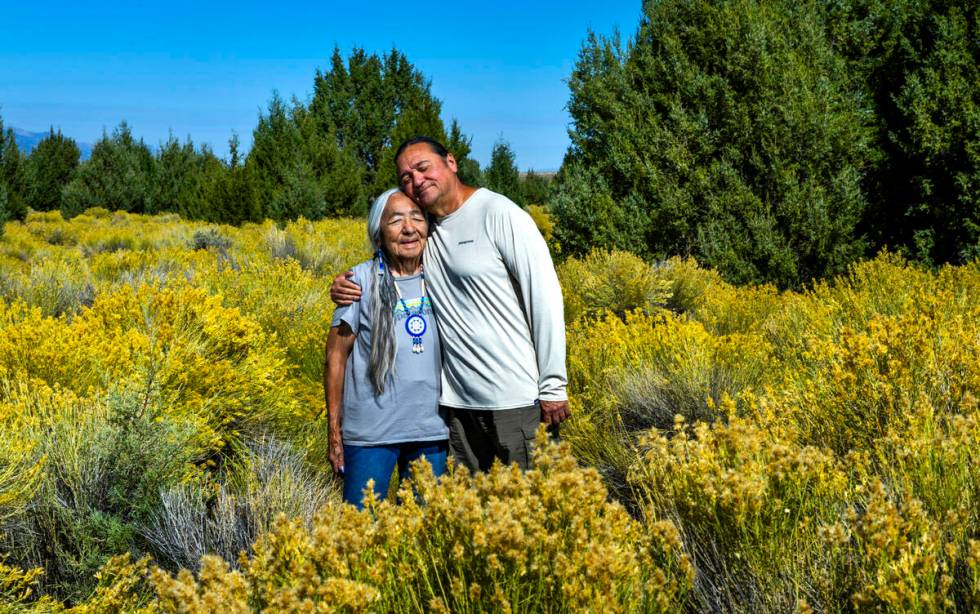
[
  {"x": 351, "y": 314},
  {"x": 526, "y": 256}
]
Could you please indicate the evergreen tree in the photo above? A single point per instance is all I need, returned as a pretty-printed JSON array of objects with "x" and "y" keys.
[
  {"x": 284, "y": 180},
  {"x": 50, "y": 167},
  {"x": 234, "y": 159},
  {"x": 535, "y": 188},
  {"x": 502, "y": 175},
  {"x": 118, "y": 176},
  {"x": 919, "y": 63},
  {"x": 241, "y": 203},
  {"x": 12, "y": 181},
  {"x": 458, "y": 144},
  {"x": 229, "y": 188},
  {"x": 727, "y": 130},
  {"x": 338, "y": 174},
  {"x": 369, "y": 105},
  {"x": 590, "y": 218},
  {"x": 299, "y": 196},
  {"x": 177, "y": 181},
  {"x": 3, "y": 207},
  {"x": 419, "y": 116}
]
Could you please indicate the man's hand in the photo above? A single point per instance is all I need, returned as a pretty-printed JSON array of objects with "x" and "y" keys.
[
  {"x": 343, "y": 291},
  {"x": 553, "y": 412},
  {"x": 337, "y": 455}
]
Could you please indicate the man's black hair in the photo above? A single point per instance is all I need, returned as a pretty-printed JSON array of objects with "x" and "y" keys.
[{"x": 435, "y": 146}]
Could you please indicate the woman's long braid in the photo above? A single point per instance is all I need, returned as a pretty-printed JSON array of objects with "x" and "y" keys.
[{"x": 384, "y": 298}]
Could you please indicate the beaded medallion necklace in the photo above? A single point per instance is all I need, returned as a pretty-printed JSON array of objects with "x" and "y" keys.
[{"x": 415, "y": 324}]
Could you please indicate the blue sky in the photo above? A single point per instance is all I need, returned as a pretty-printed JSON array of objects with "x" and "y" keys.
[{"x": 205, "y": 69}]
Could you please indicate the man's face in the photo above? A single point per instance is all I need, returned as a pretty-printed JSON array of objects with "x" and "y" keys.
[{"x": 424, "y": 175}]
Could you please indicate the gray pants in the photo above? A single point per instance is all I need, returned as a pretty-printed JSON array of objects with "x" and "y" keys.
[{"x": 479, "y": 436}]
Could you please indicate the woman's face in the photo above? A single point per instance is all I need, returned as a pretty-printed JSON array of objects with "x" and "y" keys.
[{"x": 404, "y": 228}]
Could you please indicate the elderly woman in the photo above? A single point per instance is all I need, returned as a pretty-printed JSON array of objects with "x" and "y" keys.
[{"x": 383, "y": 359}]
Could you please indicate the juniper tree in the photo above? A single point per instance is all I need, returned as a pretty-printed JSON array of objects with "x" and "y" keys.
[
  {"x": 50, "y": 167},
  {"x": 726, "y": 130},
  {"x": 12, "y": 181},
  {"x": 370, "y": 104},
  {"x": 535, "y": 188},
  {"x": 118, "y": 176},
  {"x": 458, "y": 144},
  {"x": 284, "y": 180},
  {"x": 501, "y": 175},
  {"x": 919, "y": 63},
  {"x": 177, "y": 181},
  {"x": 227, "y": 188}
]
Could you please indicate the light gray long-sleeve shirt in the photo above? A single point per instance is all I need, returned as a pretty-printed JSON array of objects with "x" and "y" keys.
[{"x": 498, "y": 304}]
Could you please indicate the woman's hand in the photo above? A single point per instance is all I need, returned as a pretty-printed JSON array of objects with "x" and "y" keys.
[
  {"x": 343, "y": 291},
  {"x": 337, "y": 455}
]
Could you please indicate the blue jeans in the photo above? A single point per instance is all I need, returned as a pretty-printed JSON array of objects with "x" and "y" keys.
[{"x": 363, "y": 463}]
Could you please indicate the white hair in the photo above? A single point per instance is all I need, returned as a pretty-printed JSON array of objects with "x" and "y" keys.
[{"x": 384, "y": 298}]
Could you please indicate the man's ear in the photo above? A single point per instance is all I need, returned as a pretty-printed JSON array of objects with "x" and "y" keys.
[{"x": 451, "y": 163}]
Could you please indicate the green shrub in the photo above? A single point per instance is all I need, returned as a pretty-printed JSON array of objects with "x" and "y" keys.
[
  {"x": 210, "y": 238},
  {"x": 225, "y": 518},
  {"x": 106, "y": 462}
]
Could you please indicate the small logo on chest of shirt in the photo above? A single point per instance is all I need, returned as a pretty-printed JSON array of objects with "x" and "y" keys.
[{"x": 466, "y": 241}]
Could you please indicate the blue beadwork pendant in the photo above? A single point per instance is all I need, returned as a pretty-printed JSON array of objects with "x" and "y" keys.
[{"x": 416, "y": 326}]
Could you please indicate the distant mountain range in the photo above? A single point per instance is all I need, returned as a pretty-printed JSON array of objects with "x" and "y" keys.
[{"x": 27, "y": 141}]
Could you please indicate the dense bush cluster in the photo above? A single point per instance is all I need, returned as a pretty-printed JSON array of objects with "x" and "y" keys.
[{"x": 731, "y": 449}]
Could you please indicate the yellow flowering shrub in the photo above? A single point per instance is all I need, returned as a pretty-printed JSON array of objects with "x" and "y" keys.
[
  {"x": 328, "y": 247},
  {"x": 288, "y": 303},
  {"x": 18, "y": 589},
  {"x": 825, "y": 460},
  {"x": 20, "y": 470},
  {"x": 749, "y": 502},
  {"x": 874, "y": 374},
  {"x": 546, "y": 225},
  {"x": 637, "y": 372},
  {"x": 610, "y": 281},
  {"x": 903, "y": 559},
  {"x": 856, "y": 383},
  {"x": 545, "y": 540},
  {"x": 210, "y": 361},
  {"x": 123, "y": 586}
]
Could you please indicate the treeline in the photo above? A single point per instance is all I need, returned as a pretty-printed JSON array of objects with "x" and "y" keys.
[
  {"x": 778, "y": 141},
  {"x": 773, "y": 141},
  {"x": 324, "y": 158}
]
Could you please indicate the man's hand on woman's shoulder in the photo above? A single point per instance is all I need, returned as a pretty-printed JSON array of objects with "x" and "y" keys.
[{"x": 343, "y": 291}]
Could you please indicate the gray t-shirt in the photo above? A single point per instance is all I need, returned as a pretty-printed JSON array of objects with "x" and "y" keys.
[{"x": 408, "y": 409}]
